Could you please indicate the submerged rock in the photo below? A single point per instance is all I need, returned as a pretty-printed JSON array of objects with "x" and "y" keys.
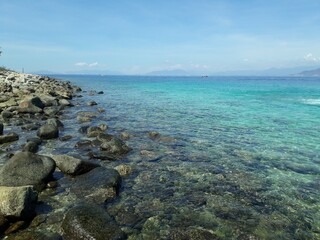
[
  {"x": 26, "y": 168},
  {"x": 90, "y": 222},
  {"x": 73, "y": 166},
  {"x": 154, "y": 135},
  {"x": 99, "y": 185},
  {"x": 94, "y": 131},
  {"x": 11, "y": 137},
  {"x": 48, "y": 131},
  {"x": 113, "y": 145},
  {"x": 18, "y": 202},
  {"x": 92, "y": 103}
]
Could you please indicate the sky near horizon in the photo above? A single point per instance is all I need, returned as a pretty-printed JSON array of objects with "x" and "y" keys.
[{"x": 136, "y": 37}]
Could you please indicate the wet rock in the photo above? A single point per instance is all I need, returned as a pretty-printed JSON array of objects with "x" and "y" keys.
[
  {"x": 51, "y": 111},
  {"x": 125, "y": 135},
  {"x": 123, "y": 170},
  {"x": 113, "y": 145},
  {"x": 66, "y": 138},
  {"x": 11, "y": 102},
  {"x": 99, "y": 185},
  {"x": 92, "y": 103},
  {"x": 154, "y": 135},
  {"x": 48, "y": 100},
  {"x": 34, "y": 235},
  {"x": 26, "y": 168},
  {"x": 15, "y": 227},
  {"x": 65, "y": 102},
  {"x": 101, "y": 110},
  {"x": 48, "y": 131},
  {"x": 73, "y": 166},
  {"x": 1, "y": 128},
  {"x": 55, "y": 122},
  {"x": 94, "y": 131},
  {"x": 83, "y": 129},
  {"x": 30, "y": 126},
  {"x": 192, "y": 234},
  {"x": 31, "y": 105},
  {"x": 84, "y": 144},
  {"x": 18, "y": 202},
  {"x": 31, "y": 147},
  {"x": 11, "y": 137},
  {"x": 102, "y": 155},
  {"x": 6, "y": 114},
  {"x": 90, "y": 222},
  {"x": 86, "y": 116},
  {"x": 39, "y": 219}
]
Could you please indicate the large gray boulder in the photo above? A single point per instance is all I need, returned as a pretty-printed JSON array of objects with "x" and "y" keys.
[
  {"x": 99, "y": 185},
  {"x": 17, "y": 202},
  {"x": 11, "y": 137},
  {"x": 90, "y": 222},
  {"x": 48, "y": 131},
  {"x": 73, "y": 166},
  {"x": 26, "y": 168},
  {"x": 31, "y": 105}
]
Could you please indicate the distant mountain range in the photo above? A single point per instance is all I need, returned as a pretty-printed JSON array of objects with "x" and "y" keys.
[
  {"x": 310, "y": 73},
  {"x": 176, "y": 72},
  {"x": 304, "y": 71}
]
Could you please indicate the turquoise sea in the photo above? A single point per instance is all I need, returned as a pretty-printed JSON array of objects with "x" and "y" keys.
[{"x": 238, "y": 156}]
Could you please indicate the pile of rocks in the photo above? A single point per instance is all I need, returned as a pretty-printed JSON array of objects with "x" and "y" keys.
[{"x": 35, "y": 103}]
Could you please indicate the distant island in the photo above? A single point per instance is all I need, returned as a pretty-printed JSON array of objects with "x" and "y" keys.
[{"x": 310, "y": 73}]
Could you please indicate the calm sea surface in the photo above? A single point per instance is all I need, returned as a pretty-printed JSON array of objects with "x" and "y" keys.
[{"x": 237, "y": 156}]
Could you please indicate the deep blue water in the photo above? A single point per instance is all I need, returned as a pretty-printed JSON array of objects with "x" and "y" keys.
[{"x": 239, "y": 156}]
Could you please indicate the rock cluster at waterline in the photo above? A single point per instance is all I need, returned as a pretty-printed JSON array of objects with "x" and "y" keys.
[{"x": 31, "y": 117}]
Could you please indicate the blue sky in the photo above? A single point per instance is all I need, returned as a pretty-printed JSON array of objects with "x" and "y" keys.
[{"x": 136, "y": 37}]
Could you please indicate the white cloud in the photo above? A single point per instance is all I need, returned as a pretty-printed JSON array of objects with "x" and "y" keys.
[
  {"x": 84, "y": 64},
  {"x": 93, "y": 64},
  {"x": 310, "y": 58},
  {"x": 81, "y": 64}
]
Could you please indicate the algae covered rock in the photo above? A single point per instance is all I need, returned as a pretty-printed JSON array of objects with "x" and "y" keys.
[
  {"x": 90, "y": 222},
  {"x": 99, "y": 185}
]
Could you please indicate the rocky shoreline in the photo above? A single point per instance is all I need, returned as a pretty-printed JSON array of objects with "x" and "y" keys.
[{"x": 32, "y": 184}]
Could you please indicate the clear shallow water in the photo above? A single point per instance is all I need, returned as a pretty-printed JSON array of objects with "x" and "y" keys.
[{"x": 240, "y": 156}]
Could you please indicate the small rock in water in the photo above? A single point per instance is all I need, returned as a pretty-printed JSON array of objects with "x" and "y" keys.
[
  {"x": 92, "y": 103},
  {"x": 11, "y": 137},
  {"x": 31, "y": 147},
  {"x": 154, "y": 135},
  {"x": 125, "y": 135},
  {"x": 123, "y": 170},
  {"x": 48, "y": 131},
  {"x": 113, "y": 145},
  {"x": 55, "y": 122},
  {"x": 65, "y": 138}
]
